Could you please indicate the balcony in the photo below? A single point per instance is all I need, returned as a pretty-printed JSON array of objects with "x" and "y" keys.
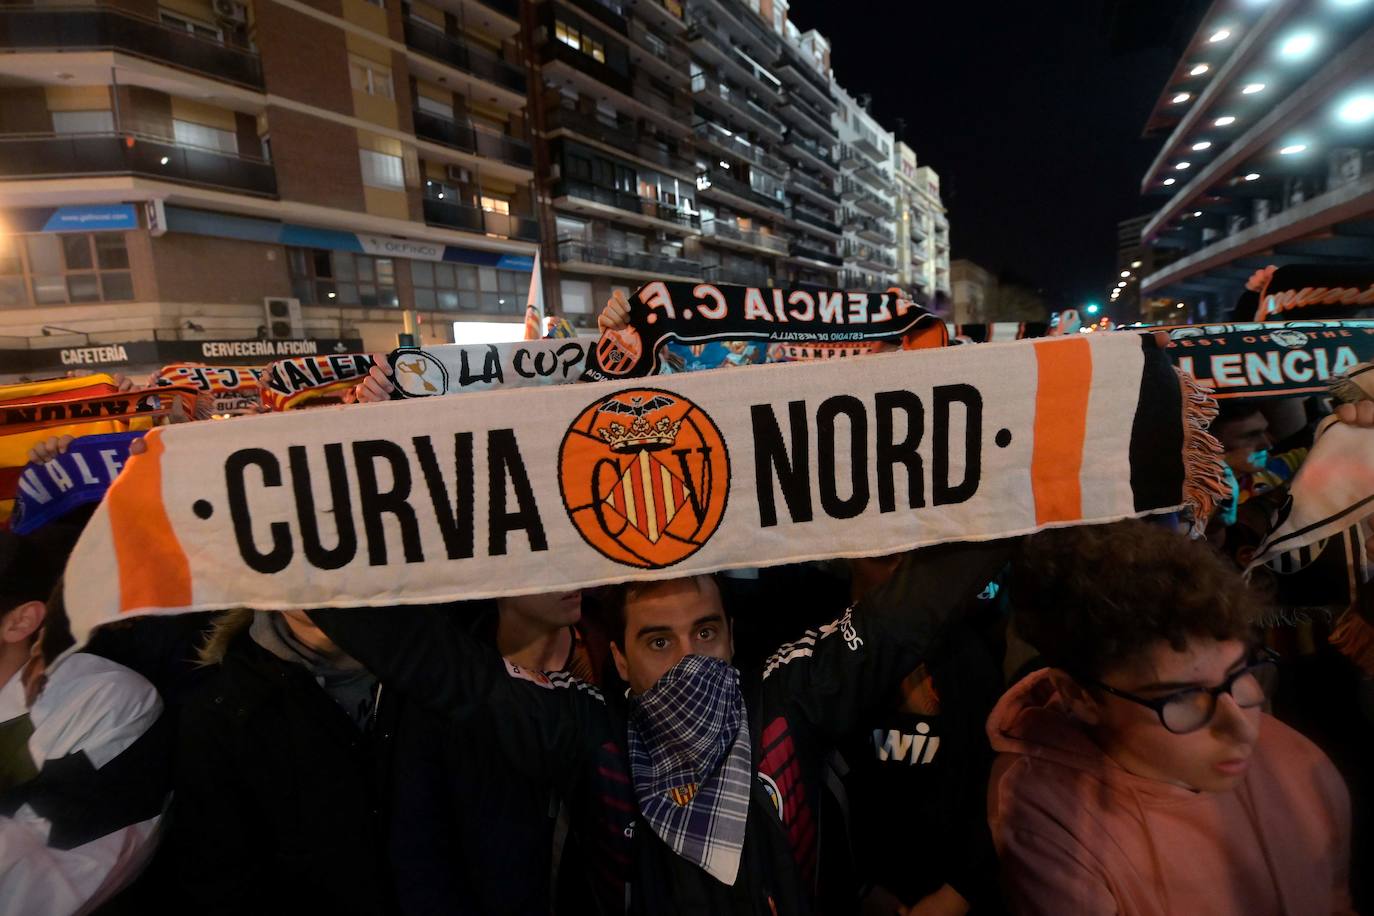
[
  {"x": 484, "y": 222},
  {"x": 809, "y": 150},
  {"x": 869, "y": 145},
  {"x": 870, "y": 258},
  {"x": 718, "y": 180},
  {"x": 610, "y": 12},
  {"x": 622, "y": 135},
  {"x": 663, "y": 56},
  {"x": 555, "y": 50},
  {"x": 85, "y": 155},
  {"x": 870, "y": 176},
  {"x": 94, "y": 28},
  {"x": 851, "y": 158},
  {"x": 795, "y": 69},
  {"x": 853, "y": 192},
  {"x": 741, "y": 275},
  {"x": 820, "y": 219},
  {"x": 797, "y": 108},
  {"x": 508, "y": 8},
  {"x": 736, "y": 104},
  {"x": 810, "y": 253},
  {"x": 664, "y": 13},
  {"x": 470, "y": 138},
  {"x": 713, "y": 228},
  {"x": 431, "y": 42},
  {"x": 736, "y": 145},
  {"x": 640, "y": 263},
  {"x": 628, "y": 203},
  {"x": 866, "y": 227},
  {"x": 819, "y": 190}
]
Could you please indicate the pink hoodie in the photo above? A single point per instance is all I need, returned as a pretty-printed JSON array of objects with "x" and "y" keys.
[{"x": 1076, "y": 833}]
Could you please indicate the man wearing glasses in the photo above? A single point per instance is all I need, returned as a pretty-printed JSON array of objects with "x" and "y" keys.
[{"x": 1138, "y": 773}]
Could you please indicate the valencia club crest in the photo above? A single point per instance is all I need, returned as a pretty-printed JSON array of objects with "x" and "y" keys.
[{"x": 644, "y": 475}]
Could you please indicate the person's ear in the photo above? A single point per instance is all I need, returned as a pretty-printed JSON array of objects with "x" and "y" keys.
[
  {"x": 621, "y": 666},
  {"x": 1081, "y": 703},
  {"x": 20, "y": 624}
]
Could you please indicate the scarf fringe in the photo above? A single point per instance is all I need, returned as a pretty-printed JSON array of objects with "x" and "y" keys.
[
  {"x": 1347, "y": 391},
  {"x": 1353, "y": 637},
  {"x": 1204, "y": 483}
]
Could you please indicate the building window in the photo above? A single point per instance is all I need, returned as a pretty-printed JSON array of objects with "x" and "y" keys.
[
  {"x": 462, "y": 287},
  {"x": 188, "y": 133},
  {"x": 380, "y": 4},
  {"x": 83, "y": 122},
  {"x": 370, "y": 77},
  {"x": 182, "y": 23},
  {"x": 495, "y": 205},
  {"x": 581, "y": 41},
  {"x": 434, "y": 107},
  {"x": 381, "y": 170},
  {"x": 55, "y": 269},
  {"x": 322, "y": 277}
]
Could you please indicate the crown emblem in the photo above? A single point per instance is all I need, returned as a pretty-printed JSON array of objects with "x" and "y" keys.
[{"x": 639, "y": 435}]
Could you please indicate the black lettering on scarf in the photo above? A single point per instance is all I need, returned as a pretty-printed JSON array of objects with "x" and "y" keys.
[
  {"x": 373, "y": 503},
  {"x": 340, "y": 508},
  {"x": 491, "y": 369},
  {"x": 943, "y": 493},
  {"x": 889, "y": 453},
  {"x": 771, "y": 456},
  {"x": 453, "y": 515},
  {"x": 853, "y": 409},
  {"x": 504, "y": 462},
  {"x": 276, "y": 559}
]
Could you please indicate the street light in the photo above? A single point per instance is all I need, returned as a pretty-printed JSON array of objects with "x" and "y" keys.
[{"x": 1092, "y": 308}]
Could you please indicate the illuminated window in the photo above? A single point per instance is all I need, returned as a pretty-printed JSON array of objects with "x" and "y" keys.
[
  {"x": 65, "y": 267},
  {"x": 495, "y": 205},
  {"x": 568, "y": 35}
]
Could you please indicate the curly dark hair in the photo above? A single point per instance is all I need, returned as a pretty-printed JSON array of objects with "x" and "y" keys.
[{"x": 1091, "y": 598}]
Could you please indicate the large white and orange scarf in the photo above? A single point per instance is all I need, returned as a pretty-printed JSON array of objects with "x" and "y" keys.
[{"x": 535, "y": 490}]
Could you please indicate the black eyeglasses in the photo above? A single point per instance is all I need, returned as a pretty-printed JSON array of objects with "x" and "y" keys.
[{"x": 1188, "y": 710}]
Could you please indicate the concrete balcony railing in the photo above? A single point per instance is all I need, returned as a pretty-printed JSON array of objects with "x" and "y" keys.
[
  {"x": 432, "y": 42},
  {"x": 737, "y": 145},
  {"x": 98, "y": 28},
  {"x": 471, "y": 138},
  {"x": 818, "y": 218},
  {"x": 474, "y": 219},
  {"x": 624, "y": 200},
  {"x": 650, "y": 265},
  {"x": 623, "y": 135},
  {"x": 751, "y": 275},
  {"x": 82, "y": 155},
  {"x": 720, "y": 229},
  {"x": 802, "y": 250}
]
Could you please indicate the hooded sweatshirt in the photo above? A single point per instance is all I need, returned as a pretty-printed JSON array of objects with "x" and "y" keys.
[{"x": 1077, "y": 833}]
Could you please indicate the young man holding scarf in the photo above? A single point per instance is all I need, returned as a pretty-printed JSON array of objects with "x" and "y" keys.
[{"x": 698, "y": 794}]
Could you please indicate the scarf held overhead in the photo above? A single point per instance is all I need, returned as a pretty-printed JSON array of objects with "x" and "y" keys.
[
  {"x": 524, "y": 492},
  {"x": 696, "y": 313},
  {"x": 459, "y": 368},
  {"x": 1271, "y": 360},
  {"x": 291, "y": 383}
]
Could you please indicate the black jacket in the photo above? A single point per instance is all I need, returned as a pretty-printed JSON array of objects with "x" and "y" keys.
[
  {"x": 561, "y": 731},
  {"x": 279, "y": 799}
]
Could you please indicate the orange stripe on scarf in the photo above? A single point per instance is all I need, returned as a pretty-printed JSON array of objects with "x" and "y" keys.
[
  {"x": 143, "y": 534},
  {"x": 1064, "y": 372}
]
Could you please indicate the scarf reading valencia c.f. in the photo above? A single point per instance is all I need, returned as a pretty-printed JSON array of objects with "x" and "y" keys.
[
  {"x": 696, "y": 313},
  {"x": 690, "y": 763},
  {"x": 538, "y": 490}
]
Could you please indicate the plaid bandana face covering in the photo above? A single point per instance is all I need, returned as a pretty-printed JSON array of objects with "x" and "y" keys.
[{"x": 690, "y": 761}]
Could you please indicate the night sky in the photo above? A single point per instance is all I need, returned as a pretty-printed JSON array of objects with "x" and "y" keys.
[{"x": 1031, "y": 113}]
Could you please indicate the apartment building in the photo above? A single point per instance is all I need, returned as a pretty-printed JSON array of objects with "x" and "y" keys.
[
  {"x": 922, "y": 231},
  {"x": 166, "y": 166},
  {"x": 867, "y": 195},
  {"x": 330, "y": 173}
]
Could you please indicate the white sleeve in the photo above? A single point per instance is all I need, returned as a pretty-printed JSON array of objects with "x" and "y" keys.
[{"x": 36, "y": 880}]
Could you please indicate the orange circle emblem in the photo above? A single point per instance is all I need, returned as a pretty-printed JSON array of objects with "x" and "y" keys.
[{"x": 645, "y": 477}]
